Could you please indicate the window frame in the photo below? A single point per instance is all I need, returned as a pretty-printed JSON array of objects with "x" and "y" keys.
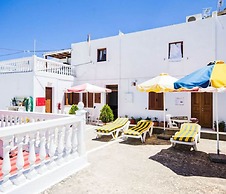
[
  {"x": 181, "y": 47},
  {"x": 97, "y": 98},
  {"x": 155, "y": 101},
  {"x": 104, "y": 56},
  {"x": 71, "y": 98}
]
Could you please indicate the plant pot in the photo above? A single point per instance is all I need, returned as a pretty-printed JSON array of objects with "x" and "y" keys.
[
  {"x": 132, "y": 121},
  {"x": 161, "y": 124},
  {"x": 156, "y": 123}
]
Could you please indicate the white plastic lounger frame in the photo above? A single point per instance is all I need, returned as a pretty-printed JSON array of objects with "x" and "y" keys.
[
  {"x": 114, "y": 133},
  {"x": 142, "y": 136},
  {"x": 192, "y": 143}
]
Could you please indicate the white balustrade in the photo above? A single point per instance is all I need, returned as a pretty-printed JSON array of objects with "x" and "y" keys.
[
  {"x": 16, "y": 65},
  {"x": 50, "y": 141},
  {"x": 36, "y": 64},
  {"x": 44, "y": 65}
]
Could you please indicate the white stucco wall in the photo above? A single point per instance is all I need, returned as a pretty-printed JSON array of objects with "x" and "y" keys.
[
  {"x": 15, "y": 85},
  {"x": 143, "y": 55},
  {"x": 58, "y": 88}
]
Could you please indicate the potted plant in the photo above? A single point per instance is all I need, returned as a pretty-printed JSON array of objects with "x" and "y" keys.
[
  {"x": 73, "y": 109},
  {"x": 138, "y": 119},
  {"x": 132, "y": 120},
  {"x": 161, "y": 123},
  {"x": 156, "y": 122},
  {"x": 221, "y": 126},
  {"x": 106, "y": 114},
  {"x": 148, "y": 118}
]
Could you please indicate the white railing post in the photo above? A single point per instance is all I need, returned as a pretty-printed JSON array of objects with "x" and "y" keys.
[
  {"x": 6, "y": 166},
  {"x": 32, "y": 157},
  {"x": 60, "y": 146},
  {"x": 34, "y": 63},
  {"x": 52, "y": 149},
  {"x": 81, "y": 127},
  {"x": 19, "y": 162},
  {"x": 2, "y": 120},
  {"x": 74, "y": 141},
  {"x": 68, "y": 142},
  {"x": 42, "y": 152}
]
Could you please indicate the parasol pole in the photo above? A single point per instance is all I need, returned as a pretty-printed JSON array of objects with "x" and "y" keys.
[
  {"x": 87, "y": 99},
  {"x": 217, "y": 123},
  {"x": 164, "y": 105}
]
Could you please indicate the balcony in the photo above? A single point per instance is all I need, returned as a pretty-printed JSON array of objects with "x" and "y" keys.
[
  {"x": 37, "y": 65},
  {"x": 39, "y": 150}
]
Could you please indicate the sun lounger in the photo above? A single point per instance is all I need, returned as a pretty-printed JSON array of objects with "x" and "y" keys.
[
  {"x": 189, "y": 134},
  {"x": 113, "y": 128},
  {"x": 140, "y": 130}
]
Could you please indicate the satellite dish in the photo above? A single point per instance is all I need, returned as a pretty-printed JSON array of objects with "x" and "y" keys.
[
  {"x": 206, "y": 12},
  {"x": 219, "y": 5}
]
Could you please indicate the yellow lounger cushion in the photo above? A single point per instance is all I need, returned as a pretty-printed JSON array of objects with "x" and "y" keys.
[
  {"x": 137, "y": 130},
  {"x": 118, "y": 123},
  {"x": 187, "y": 133}
]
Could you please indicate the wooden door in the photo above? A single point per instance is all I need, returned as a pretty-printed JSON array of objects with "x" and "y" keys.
[
  {"x": 201, "y": 108},
  {"x": 112, "y": 99},
  {"x": 48, "y": 100}
]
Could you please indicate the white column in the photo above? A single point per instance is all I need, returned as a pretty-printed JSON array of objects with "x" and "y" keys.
[
  {"x": 52, "y": 149},
  {"x": 81, "y": 127},
  {"x": 42, "y": 152},
  {"x": 32, "y": 157},
  {"x": 20, "y": 178},
  {"x": 68, "y": 141},
  {"x": 60, "y": 147},
  {"x": 6, "y": 166},
  {"x": 74, "y": 141}
]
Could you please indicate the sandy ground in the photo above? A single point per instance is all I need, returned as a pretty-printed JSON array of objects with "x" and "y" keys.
[{"x": 129, "y": 167}]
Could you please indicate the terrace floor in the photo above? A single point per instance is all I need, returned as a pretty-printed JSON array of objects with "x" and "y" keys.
[{"x": 124, "y": 167}]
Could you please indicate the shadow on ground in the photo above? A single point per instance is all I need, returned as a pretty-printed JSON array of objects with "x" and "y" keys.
[
  {"x": 189, "y": 163},
  {"x": 153, "y": 140},
  {"x": 104, "y": 138}
]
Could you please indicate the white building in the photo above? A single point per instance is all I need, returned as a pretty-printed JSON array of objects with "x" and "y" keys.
[
  {"x": 120, "y": 62},
  {"x": 44, "y": 80}
]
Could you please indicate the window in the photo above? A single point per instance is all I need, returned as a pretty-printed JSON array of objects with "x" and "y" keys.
[
  {"x": 71, "y": 98},
  {"x": 155, "y": 101},
  {"x": 101, "y": 54},
  {"x": 90, "y": 100},
  {"x": 175, "y": 50},
  {"x": 97, "y": 98}
]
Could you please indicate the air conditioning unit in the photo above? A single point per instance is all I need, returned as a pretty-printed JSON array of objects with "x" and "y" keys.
[{"x": 193, "y": 18}]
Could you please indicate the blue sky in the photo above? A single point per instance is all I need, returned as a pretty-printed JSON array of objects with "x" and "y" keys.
[{"x": 56, "y": 24}]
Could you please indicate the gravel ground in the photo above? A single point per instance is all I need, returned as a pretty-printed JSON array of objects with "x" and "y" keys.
[{"x": 129, "y": 167}]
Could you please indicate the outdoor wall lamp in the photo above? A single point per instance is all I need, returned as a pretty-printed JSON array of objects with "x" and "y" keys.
[{"x": 134, "y": 83}]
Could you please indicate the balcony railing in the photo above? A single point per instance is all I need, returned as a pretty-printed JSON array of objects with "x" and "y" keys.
[
  {"x": 37, "y": 65},
  {"x": 54, "y": 145},
  {"x": 16, "y": 65}
]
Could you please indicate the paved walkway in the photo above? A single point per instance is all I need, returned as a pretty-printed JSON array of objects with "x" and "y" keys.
[{"x": 119, "y": 167}]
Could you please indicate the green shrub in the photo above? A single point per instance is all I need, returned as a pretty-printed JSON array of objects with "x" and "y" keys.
[
  {"x": 138, "y": 119},
  {"x": 106, "y": 114},
  {"x": 221, "y": 125},
  {"x": 73, "y": 109}
]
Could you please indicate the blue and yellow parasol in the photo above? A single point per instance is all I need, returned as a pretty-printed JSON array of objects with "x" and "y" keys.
[
  {"x": 213, "y": 75},
  {"x": 211, "y": 78}
]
